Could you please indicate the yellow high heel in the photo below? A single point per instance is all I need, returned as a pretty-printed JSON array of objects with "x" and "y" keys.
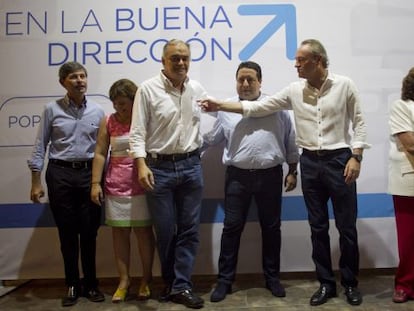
[
  {"x": 120, "y": 294},
  {"x": 144, "y": 292}
]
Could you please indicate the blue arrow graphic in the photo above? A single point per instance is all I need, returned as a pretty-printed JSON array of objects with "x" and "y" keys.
[{"x": 285, "y": 14}]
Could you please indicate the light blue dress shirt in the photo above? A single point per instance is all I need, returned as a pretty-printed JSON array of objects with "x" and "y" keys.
[
  {"x": 254, "y": 143},
  {"x": 69, "y": 131}
]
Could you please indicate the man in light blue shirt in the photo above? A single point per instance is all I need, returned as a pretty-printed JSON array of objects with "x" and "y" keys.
[
  {"x": 67, "y": 137},
  {"x": 255, "y": 150}
]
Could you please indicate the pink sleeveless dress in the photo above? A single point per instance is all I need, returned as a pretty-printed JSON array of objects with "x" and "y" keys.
[{"x": 125, "y": 203}]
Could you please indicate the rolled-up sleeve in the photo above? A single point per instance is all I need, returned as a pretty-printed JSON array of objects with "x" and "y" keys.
[
  {"x": 358, "y": 122},
  {"x": 38, "y": 155},
  {"x": 138, "y": 131}
]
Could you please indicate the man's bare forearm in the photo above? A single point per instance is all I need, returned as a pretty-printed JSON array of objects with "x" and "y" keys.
[
  {"x": 235, "y": 107},
  {"x": 210, "y": 105}
]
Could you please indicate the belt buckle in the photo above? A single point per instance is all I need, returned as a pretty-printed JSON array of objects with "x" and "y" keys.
[
  {"x": 319, "y": 153},
  {"x": 78, "y": 164}
]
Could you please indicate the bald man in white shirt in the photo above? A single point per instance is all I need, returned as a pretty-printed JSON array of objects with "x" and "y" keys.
[{"x": 165, "y": 139}]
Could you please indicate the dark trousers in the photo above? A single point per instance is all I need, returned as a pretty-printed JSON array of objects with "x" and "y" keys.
[
  {"x": 77, "y": 220},
  {"x": 322, "y": 179},
  {"x": 265, "y": 186}
]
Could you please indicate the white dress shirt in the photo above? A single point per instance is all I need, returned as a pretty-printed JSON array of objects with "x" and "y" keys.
[
  {"x": 165, "y": 120},
  {"x": 322, "y": 117}
]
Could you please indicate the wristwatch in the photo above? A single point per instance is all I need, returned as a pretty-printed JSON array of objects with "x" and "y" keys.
[
  {"x": 294, "y": 173},
  {"x": 357, "y": 157}
]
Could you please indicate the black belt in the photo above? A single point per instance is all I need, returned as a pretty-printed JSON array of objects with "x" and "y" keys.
[
  {"x": 323, "y": 153},
  {"x": 174, "y": 157},
  {"x": 253, "y": 170},
  {"x": 72, "y": 164}
]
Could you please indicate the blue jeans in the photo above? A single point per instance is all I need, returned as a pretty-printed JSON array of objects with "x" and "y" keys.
[
  {"x": 265, "y": 186},
  {"x": 175, "y": 205},
  {"x": 322, "y": 179}
]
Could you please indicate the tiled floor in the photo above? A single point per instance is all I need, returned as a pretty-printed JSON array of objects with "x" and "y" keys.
[{"x": 248, "y": 294}]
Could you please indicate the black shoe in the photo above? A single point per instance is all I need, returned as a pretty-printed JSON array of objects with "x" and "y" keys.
[
  {"x": 276, "y": 289},
  {"x": 71, "y": 298},
  {"x": 188, "y": 299},
  {"x": 94, "y": 295},
  {"x": 220, "y": 292},
  {"x": 322, "y": 295},
  {"x": 165, "y": 294},
  {"x": 353, "y": 296}
]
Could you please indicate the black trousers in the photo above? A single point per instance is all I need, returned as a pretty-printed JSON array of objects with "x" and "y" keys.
[
  {"x": 77, "y": 220},
  {"x": 265, "y": 186},
  {"x": 322, "y": 179}
]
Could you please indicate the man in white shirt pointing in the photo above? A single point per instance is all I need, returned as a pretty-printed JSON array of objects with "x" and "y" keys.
[{"x": 325, "y": 105}]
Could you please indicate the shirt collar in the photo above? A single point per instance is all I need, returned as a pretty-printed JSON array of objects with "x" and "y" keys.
[
  {"x": 68, "y": 102},
  {"x": 328, "y": 80},
  {"x": 330, "y": 76}
]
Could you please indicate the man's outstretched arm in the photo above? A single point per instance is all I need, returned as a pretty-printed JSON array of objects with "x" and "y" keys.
[{"x": 210, "y": 105}]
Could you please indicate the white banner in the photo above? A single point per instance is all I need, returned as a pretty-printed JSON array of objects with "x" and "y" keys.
[{"x": 367, "y": 41}]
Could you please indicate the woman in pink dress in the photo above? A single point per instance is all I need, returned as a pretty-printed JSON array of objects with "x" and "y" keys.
[{"x": 125, "y": 204}]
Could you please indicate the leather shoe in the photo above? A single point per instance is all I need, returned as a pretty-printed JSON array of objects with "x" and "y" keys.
[
  {"x": 220, "y": 292},
  {"x": 399, "y": 296},
  {"x": 94, "y": 295},
  {"x": 276, "y": 289},
  {"x": 353, "y": 296},
  {"x": 322, "y": 295},
  {"x": 165, "y": 294},
  {"x": 71, "y": 298},
  {"x": 188, "y": 299}
]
